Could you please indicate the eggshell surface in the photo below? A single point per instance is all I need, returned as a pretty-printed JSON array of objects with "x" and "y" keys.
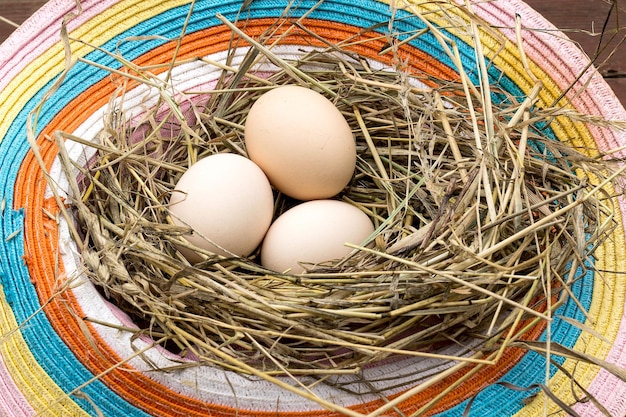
[
  {"x": 226, "y": 199},
  {"x": 313, "y": 232},
  {"x": 301, "y": 141}
]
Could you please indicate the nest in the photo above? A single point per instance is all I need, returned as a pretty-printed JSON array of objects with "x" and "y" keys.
[{"x": 479, "y": 219}]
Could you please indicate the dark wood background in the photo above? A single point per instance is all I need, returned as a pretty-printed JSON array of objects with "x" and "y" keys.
[{"x": 582, "y": 20}]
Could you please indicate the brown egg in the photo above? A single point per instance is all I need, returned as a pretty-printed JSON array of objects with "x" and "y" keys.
[
  {"x": 313, "y": 232},
  {"x": 302, "y": 142},
  {"x": 228, "y": 203}
]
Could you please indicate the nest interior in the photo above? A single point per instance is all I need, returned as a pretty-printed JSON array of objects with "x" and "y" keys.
[{"x": 480, "y": 219}]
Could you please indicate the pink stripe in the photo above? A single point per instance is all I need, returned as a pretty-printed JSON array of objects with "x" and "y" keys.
[
  {"x": 548, "y": 51},
  {"x": 12, "y": 402},
  {"x": 40, "y": 32}
]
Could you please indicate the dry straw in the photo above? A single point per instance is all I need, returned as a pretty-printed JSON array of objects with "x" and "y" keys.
[{"x": 479, "y": 219}]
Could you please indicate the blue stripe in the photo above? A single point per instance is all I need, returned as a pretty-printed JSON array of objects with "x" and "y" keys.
[{"x": 48, "y": 349}]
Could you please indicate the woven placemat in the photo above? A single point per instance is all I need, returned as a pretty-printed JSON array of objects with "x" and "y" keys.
[{"x": 56, "y": 360}]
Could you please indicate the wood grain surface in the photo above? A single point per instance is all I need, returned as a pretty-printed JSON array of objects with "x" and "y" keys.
[{"x": 598, "y": 26}]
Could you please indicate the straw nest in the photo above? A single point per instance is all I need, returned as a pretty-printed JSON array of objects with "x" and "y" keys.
[{"x": 479, "y": 219}]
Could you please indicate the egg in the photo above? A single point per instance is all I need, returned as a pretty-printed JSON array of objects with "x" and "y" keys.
[
  {"x": 301, "y": 141},
  {"x": 227, "y": 201},
  {"x": 313, "y": 232}
]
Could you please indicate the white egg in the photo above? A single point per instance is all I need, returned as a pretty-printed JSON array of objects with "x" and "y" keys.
[
  {"x": 313, "y": 232},
  {"x": 227, "y": 201}
]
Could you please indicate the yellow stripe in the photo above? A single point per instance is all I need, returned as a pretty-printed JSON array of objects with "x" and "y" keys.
[
  {"x": 43, "y": 395},
  {"x": 98, "y": 30},
  {"x": 610, "y": 257}
]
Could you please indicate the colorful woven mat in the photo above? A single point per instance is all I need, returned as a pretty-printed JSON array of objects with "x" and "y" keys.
[{"x": 63, "y": 350}]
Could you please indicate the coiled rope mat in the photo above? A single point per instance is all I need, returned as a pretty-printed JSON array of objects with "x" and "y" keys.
[{"x": 56, "y": 360}]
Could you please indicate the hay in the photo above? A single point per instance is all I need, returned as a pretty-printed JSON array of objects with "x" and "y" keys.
[{"x": 479, "y": 220}]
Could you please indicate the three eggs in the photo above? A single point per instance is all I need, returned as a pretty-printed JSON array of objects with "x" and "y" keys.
[{"x": 298, "y": 142}]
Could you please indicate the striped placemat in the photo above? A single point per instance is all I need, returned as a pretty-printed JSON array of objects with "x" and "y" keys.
[{"x": 56, "y": 360}]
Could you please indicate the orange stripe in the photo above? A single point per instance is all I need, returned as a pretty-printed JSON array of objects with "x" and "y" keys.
[{"x": 41, "y": 234}]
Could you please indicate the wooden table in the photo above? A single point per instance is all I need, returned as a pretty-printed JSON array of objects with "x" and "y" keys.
[{"x": 581, "y": 20}]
